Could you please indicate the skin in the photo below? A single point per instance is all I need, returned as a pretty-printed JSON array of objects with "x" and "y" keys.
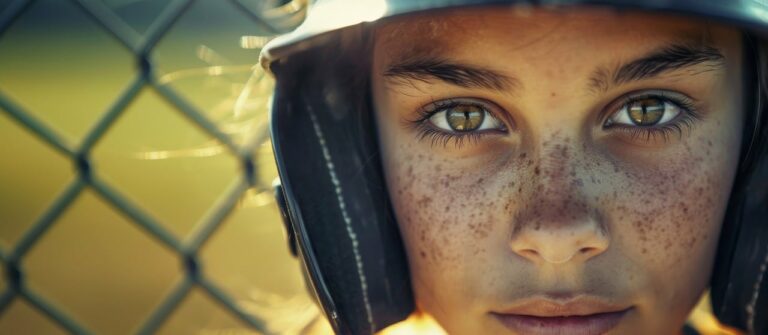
[{"x": 558, "y": 206}]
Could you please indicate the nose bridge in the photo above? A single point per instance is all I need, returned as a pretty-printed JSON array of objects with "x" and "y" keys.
[
  {"x": 558, "y": 192},
  {"x": 556, "y": 222},
  {"x": 556, "y": 164}
]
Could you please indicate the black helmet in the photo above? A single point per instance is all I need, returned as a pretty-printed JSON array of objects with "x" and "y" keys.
[{"x": 335, "y": 200}]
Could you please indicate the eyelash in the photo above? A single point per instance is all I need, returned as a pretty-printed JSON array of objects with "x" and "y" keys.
[
  {"x": 683, "y": 122},
  {"x": 424, "y": 131}
]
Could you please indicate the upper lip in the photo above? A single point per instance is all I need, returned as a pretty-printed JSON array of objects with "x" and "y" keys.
[{"x": 580, "y": 305}]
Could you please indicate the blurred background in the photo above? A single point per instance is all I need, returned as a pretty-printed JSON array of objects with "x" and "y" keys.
[
  {"x": 136, "y": 169},
  {"x": 135, "y": 184}
]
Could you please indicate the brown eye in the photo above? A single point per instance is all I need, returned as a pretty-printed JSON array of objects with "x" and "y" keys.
[
  {"x": 465, "y": 117},
  {"x": 646, "y": 112}
]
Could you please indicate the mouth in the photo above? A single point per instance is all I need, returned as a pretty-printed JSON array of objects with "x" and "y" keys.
[{"x": 581, "y": 316}]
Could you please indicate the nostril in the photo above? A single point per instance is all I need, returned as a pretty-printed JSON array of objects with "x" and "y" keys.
[
  {"x": 589, "y": 252},
  {"x": 528, "y": 253}
]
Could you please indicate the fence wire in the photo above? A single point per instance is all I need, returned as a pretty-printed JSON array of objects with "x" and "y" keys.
[{"x": 141, "y": 46}]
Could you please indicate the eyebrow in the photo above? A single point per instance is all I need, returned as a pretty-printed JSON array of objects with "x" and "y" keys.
[
  {"x": 670, "y": 58},
  {"x": 667, "y": 59},
  {"x": 469, "y": 76}
]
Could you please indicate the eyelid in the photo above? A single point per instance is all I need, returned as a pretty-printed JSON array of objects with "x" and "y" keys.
[
  {"x": 426, "y": 131},
  {"x": 493, "y": 109},
  {"x": 683, "y": 101},
  {"x": 681, "y": 124}
]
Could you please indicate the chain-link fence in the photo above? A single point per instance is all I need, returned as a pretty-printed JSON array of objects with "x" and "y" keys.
[{"x": 269, "y": 18}]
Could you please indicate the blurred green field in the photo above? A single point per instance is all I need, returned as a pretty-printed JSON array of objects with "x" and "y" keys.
[{"x": 94, "y": 264}]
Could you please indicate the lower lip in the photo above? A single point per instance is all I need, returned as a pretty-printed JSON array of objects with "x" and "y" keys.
[{"x": 593, "y": 324}]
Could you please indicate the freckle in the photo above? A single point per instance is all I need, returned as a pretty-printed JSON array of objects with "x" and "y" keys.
[
  {"x": 480, "y": 180},
  {"x": 536, "y": 170},
  {"x": 552, "y": 94},
  {"x": 523, "y": 155}
]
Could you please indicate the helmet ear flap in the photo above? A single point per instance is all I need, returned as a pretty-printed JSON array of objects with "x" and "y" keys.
[
  {"x": 739, "y": 287},
  {"x": 335, "y": 196},
  {"x": 740, "y": 281}
]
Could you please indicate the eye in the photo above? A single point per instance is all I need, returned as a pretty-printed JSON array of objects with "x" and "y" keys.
[
  {"x": 646, "y": 112},
  {"x": 652, "y": 116},
  {"x": 463, "y": 118},
  {"x": 458, "y": 121}
]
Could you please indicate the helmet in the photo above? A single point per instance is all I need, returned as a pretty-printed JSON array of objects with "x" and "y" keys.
[{"x": 334, "y": 198}]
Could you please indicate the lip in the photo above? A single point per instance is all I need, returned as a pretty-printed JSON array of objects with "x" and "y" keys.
[{"x": 585, "y": 315}]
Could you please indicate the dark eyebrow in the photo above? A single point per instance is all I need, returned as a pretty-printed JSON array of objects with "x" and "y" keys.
[
  {"x": 469, "y": 76},
  {"x": 670, "y": 58}
]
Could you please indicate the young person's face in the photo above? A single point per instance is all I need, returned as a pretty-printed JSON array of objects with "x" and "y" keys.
[{"x": 547, "y": 164}]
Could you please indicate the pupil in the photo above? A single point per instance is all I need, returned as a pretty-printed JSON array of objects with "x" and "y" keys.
[
  {"x": 465, "y": 118},
  {"x": 646, "y": 112}
]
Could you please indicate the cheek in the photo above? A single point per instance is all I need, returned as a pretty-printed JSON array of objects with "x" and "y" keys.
[
  {"x": 445, "y": 214},
  {"x": 667, "y": 215},
  {"x": 667, "y": 206}
]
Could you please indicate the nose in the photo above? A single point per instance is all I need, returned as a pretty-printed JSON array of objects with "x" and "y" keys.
[
  {"x": 568, "y": 242},
  {"x": 556, "y": 222}
]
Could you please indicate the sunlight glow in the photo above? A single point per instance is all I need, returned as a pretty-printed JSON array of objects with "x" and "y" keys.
[{"x": 417, "y": 323}]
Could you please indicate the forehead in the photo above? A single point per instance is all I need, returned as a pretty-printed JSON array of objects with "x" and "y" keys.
[{"x": 473, "y": 33}]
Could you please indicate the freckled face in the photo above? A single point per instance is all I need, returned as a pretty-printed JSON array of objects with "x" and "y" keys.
[{"x": 552, "y": 158}]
